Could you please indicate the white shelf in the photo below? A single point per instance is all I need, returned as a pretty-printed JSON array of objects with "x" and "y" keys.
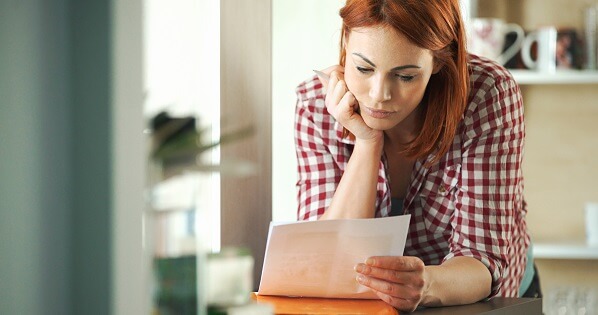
[
  {"x": 565, "y": 250},
  {"x": 558, "y": 77}
]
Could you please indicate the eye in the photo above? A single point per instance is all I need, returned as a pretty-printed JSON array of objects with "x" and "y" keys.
[
  {"x": 363, "y": 70},
  {"x": 405, "y": 78}
]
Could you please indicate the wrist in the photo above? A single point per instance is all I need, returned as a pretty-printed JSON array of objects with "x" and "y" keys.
[
  {"x": 429, "y": 298},
  {"x": 375, "y": 145}
]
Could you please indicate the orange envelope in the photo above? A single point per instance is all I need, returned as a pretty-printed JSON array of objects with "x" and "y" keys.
[{"x": 299, "y": 305}]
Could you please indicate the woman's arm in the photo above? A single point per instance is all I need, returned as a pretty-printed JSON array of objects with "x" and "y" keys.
[
  {"x": 459, "y": 280},
  {"x": 331, "y": 184},
  {"x": 355, "y": 196},
  {"x": 405, "y": 283}
]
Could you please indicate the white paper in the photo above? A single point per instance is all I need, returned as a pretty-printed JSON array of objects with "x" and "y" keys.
[{"x": 316, "y": 258}]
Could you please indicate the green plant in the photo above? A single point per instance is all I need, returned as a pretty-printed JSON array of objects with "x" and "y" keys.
[{"x": 177, "y": 143}]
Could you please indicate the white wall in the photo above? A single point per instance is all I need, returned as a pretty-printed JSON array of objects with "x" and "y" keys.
[{"x": 305, "y": 36}]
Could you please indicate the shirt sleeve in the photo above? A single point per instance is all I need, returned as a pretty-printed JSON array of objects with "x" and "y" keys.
[
  {"x": 318, "y": 172},
  {"x": 491, "y": 181}
]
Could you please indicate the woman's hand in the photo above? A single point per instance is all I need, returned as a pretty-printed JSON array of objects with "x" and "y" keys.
[
  {"x": 343, "y": 106},
  {"x": 398, "y": 280}
]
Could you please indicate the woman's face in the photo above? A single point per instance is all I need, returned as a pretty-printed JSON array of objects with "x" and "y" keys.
[{"x": 387, "y": 74}]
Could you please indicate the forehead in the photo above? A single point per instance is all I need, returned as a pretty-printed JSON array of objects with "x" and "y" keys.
[{"x": 384, "y": 44}]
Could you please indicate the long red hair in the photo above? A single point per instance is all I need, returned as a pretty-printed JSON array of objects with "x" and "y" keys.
[{"x": 435, "y": 25}]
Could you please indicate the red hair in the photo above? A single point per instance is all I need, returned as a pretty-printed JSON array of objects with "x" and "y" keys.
[{"x": 435, "y": 25}]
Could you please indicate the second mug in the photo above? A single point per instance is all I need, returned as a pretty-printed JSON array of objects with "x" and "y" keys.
[{"x": 546, "y": 42}]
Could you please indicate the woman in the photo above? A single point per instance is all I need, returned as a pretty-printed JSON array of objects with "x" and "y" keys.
[{"x": 410, "y": 123}]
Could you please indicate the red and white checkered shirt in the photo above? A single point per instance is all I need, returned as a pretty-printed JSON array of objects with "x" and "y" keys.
[{"x": 468, "y": 204}]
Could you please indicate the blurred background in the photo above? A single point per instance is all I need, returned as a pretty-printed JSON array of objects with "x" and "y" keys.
[{"x": 82, "y": 213}]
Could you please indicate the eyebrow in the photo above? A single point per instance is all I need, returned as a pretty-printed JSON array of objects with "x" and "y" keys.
[{"x": 393, "y": 69}]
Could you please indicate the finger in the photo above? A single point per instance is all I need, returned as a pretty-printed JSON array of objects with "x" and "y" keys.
[
  {"x": 345, "y": 109},
  {"x": 392, "y": 289},
  {"x": 339, "y": 75},
  {"x": 337, "y": 68},
  {"x": 410, "y": 278},
  {"x": 324, "y": 75},
  {"x": 331, "y": 84},
  {"x": 339, "y": 92},
  {"x": 399, "y": 303},
  {"x": 400, "y": 263},
  {"x": 334, "y": 95}
]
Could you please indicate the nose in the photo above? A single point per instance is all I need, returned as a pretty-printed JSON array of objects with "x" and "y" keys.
[{"x": 380, "y": 89}]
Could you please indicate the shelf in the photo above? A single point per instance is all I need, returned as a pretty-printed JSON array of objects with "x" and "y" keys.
[
  {"x": 565, "y": 250},
  {"x": 559, "y": 77}
]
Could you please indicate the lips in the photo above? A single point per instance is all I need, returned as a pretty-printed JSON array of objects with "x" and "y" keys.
[{"x": 376, "y": 113}]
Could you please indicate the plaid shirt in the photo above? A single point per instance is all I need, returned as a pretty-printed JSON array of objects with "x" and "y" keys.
[{"x": 468, "y": 204}]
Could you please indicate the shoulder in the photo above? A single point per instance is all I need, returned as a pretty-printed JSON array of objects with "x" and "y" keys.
[
  {"x": 494, "y": 98},
  {"x": 310, "y": 100},
  {"x": 311, "y": 116},
  {"x": 310, "y": 89},
  {"x": 486, "y": 75}
]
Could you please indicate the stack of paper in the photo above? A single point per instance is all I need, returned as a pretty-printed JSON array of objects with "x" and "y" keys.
[{"x": 317, "y": 258}]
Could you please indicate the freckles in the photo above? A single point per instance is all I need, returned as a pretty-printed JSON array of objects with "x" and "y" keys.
[
  {"x": 358, "y": 88},
  {"x": 354, "y": 82}
]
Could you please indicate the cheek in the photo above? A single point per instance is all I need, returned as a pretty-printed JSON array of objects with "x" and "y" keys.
[
  {"x": 411, "y": 94},
  {"x": 358, "y": 86}
]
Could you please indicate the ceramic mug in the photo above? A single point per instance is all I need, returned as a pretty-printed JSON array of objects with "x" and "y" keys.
[
  {"x": 546, "y": 39},
  {"x": 486, "y": 37},
  {"x": 592, "y": 223}
]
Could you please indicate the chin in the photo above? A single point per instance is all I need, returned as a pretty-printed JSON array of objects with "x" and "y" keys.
[{"x": 379, "y": 124}]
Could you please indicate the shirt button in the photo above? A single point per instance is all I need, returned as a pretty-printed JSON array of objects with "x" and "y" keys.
[{"x": 442, "y": 189}]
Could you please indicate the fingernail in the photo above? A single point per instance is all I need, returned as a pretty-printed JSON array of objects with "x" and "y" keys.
[
  {"x": 370, "y": 261},
  {"x": 322, "y": 75},
  {"x": 360, "y": 278},
  {"x": 359, "y": 267}
]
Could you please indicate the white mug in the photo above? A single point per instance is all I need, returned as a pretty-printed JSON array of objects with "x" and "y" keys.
[
  {"x": 546, "y": 49},
  {"x": 592, "y": 223},
  {"x": 486, "y": 37}
]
